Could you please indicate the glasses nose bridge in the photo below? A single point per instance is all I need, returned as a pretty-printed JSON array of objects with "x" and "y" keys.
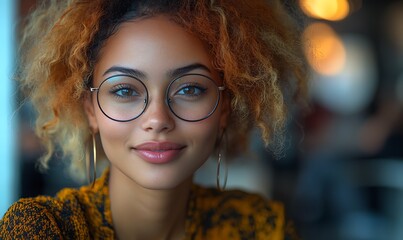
[
  {"x": 157, "y": 116},
  {"x": 159, "y": 97}
]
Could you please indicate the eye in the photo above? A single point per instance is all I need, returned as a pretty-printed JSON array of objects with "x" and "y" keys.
[
  {"x": 124, "y": 91},
  {"x": 191, "y": 91}
]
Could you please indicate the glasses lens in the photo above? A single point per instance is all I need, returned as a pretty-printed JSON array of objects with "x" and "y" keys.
[
  {"x": 122, "y": 98},
  {"x": 193, "y": 97}
]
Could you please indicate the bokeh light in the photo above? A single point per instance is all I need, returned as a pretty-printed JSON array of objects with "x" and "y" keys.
[
  {"x": 324, "y": 49},
  {"x": 332, "y": 10},
  {"x": 351, "y": 90}
]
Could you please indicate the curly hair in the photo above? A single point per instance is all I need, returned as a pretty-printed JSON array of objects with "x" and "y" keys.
[{"x": 255, "y": 45}]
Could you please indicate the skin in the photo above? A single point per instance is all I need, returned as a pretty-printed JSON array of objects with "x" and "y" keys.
[{"x": 148, "y": 201}]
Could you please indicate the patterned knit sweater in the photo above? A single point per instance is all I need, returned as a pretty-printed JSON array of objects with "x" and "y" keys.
[{"x": 85, "y": 214}]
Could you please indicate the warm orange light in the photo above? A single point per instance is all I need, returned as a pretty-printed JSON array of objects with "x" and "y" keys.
[
  {"x": 332, "y": 10},
  {"x": 324, "y": 50}
]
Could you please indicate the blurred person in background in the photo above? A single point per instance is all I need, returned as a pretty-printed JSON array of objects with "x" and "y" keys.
[{"x": 382, "y": 134}]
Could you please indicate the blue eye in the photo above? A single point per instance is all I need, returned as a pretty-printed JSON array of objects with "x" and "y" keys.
[
  {"x": 126, "y": 92},
  {"x": 123, "y": 91}
]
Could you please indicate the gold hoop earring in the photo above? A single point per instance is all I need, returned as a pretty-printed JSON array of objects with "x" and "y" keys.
[
  {"x": 91, "y": 179},
  {"x": 219, "y": 160}
]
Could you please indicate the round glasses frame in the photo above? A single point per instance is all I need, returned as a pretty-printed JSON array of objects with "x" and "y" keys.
[{"x": 167, "y": 99}]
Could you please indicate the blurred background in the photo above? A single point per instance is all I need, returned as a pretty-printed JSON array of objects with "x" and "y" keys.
[{"x": 341, "y": 173}]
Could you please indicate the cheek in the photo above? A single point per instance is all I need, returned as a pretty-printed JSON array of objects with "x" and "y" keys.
[
  {"x": 113, "y": 135},
  {"x": 205, "y": 135}
]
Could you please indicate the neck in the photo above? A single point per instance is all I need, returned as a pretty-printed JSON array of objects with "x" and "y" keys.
[{"x": 140, "y": 213}]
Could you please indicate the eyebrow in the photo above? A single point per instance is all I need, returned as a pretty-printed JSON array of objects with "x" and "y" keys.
[
  {"x": 171, "y": 74},
  {"x": 186, "y": 69},
  {"x": 129, "y": 71}
]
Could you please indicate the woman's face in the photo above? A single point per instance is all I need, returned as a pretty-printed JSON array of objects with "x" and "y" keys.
[{"x": 157, "y": 150}]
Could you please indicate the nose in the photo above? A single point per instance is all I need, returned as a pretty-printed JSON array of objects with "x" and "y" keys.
[{"x": 157, "y": 117}]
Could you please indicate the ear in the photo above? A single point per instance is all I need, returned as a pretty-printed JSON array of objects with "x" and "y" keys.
[{"x": 89, "y": 110}]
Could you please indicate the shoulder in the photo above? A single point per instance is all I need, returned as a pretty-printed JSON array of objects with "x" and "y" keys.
[
  {"x": 240, "y": 214},
  {"x": 30, "y": 218},
  {"x": 44, "y": 217}
]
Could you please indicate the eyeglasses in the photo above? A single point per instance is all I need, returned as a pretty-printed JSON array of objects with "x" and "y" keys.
[{"x": 190, "y": 97}]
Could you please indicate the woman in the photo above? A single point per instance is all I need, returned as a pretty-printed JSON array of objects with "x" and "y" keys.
[{"x": 162, "y": 84}]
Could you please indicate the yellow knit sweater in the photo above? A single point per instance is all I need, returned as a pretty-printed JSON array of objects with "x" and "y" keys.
[{"x": 85, "y": 214}]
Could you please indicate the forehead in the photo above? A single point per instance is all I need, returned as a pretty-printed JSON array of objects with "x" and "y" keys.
[{"x": 152, "y": 45}]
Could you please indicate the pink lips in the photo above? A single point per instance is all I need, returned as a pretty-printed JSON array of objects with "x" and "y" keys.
[{"x": 158, "y": 152}]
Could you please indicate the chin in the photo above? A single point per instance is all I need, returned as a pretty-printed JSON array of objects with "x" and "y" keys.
[
  {"x": 161, "y": 186},
  {"x": 163, "y": 183}
]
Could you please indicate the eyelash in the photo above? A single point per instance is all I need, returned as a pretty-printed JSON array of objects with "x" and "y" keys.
[
  {"x": 192, "y": 86},
  {"x": 121, "y": 87}
]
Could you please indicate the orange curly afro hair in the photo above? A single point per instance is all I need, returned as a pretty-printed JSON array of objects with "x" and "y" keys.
[{"x": 255, "y": 45}]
